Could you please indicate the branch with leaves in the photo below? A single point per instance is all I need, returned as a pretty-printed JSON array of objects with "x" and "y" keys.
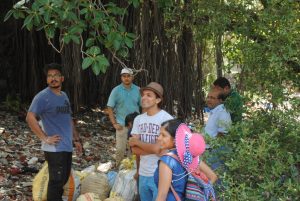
[{"x": 90, "y": 23}]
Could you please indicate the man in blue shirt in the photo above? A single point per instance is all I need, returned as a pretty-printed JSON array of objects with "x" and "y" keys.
[
  {"x": 219, "y": 120},
  {"x": 123, "y": 100},
  {"x": 57, "y": 131}
]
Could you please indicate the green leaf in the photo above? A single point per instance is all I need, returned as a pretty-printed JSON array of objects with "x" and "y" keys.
[
  {"x": 123, "y": 52},
  {"x": 131, "y": 35},
  {"x": 89, "y": 42},
  {"x": 96, "y": 68},
  {"x": 35, "y": 6},
  {"x": 87, "y": 62},
  {"x": 50, "y": 31},
  {"x": 72, "y": 16},
  {"x": 94, "y": 50},
  {"x": 18, "y": 14},
  {"x": 8, "y": 15},
  {"x": 19, "y": 4},
  {"x": 128, "y": 42},
  {"x": 106, "y": 28},
  {"x": 102, "y": 60},
  {"x": 102, "y": 63},
  {"x": 29, "y": 26},
  {"x": 28, "y": 22},
  {"x": 43, "y": 2},
  {"x": 41, "y": 11},
  {"x": 117, "y": 40},
  {"x": 83, "y": 11},
  {"x": 135, "y": 3},
  {"x": 67, "y": 38},
  {"x": 117, "y": 44},
  {"x": 75, "y": 39},
  {"x": 121, "y": 28},
  {"x": 36, "y": 20},
  {"x": 47, "y": 16},
  {"x": 75, "y": 29},
  {"x": 103, "y": 68}
]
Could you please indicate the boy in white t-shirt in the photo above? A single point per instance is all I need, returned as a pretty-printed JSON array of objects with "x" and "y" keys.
[{"x": 145, "y": 131}]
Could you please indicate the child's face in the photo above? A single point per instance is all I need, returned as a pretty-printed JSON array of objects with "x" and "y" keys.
[
  {"x": 165, "y": 139},
  {"x": 129, "y": 125}
]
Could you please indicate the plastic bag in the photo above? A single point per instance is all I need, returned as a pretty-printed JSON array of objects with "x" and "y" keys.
[{"x": 125, "y": 185}]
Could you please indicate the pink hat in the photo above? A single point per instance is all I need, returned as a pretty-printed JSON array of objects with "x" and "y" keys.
[{"x": 189, "y": 147}]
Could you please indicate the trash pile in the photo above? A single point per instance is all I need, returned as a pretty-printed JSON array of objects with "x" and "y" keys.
[{"x": 23, "y": 170}]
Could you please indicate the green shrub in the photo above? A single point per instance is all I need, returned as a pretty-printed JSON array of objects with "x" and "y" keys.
[
  {"x": 264, "y": 158},
  {"x": 12, "y": 103}
]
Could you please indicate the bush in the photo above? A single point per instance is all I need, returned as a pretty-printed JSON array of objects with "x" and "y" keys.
[
  {"x": 12, "y": 103},
  {"x": 264, "y": 158}
]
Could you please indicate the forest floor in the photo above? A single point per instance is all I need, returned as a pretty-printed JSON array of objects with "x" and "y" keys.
[{"x": 21, "y": 157}]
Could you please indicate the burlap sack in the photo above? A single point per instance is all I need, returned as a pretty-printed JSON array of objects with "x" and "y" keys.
[
  {"x": 40, "y": 186},
  {"x": 96, "y": 183},
  {"x": 114, "y": 199},
  {"x": 88, "y": 197}
]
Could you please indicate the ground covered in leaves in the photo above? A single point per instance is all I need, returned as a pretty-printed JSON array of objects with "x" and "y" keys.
[{"x": 21, "y": 157}]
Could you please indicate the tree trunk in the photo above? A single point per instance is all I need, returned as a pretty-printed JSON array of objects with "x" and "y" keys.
[
  {"x": 71, "y": 61},
  {"x": 219, "y": 55}
]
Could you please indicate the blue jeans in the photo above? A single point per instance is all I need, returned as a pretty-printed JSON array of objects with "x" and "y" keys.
[{"x": 147, "y": 188}]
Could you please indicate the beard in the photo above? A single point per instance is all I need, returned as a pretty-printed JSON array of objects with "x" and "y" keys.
[
  {"x": 54, "y": 84},
  {"x": 54, "y": 87}
]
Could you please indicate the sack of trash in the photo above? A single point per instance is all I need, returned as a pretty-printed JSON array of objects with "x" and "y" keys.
[
  {"x": 128, "y": 163},
  {"x": 111, "y": 176},
  {"x": 104, "y": 167},
  {"x": 40, "y": 186},
  {"x": 96, "y": 183},
  {"x": 72, "y": 188},
  {"x": 125, "y": 185},
  {"x": 88, "y": 197},
  {"x": 116, "y": 198}
]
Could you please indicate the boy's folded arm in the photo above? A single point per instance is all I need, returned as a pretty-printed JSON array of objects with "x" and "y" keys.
[{"x": 144, "y": 148}]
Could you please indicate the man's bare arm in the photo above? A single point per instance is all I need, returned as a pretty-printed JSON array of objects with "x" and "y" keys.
[
  {"x": 37, "y": 130},
  {"x": 113, "y": 119}
]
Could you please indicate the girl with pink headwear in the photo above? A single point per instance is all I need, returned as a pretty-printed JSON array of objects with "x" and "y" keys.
[{"x": 178, "y": 140}]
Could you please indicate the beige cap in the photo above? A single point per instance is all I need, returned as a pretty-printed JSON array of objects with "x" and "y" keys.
[{"x": 126, "y": 71}]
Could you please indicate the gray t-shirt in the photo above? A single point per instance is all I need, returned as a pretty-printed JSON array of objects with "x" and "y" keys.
[
  {"x": 55, "y": 114},
  {"x": 148, "y": 127}
]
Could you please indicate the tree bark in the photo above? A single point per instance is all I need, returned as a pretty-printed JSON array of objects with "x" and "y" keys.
[{"x": 219, "y": 55}]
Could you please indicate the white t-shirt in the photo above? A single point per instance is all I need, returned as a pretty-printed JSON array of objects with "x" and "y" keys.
[
  {"x": 148, "y": 127},
  {"x": 219, "y": 121}
]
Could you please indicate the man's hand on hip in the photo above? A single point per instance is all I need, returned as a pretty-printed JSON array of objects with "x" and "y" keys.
[{"x": 52, "y": 140}]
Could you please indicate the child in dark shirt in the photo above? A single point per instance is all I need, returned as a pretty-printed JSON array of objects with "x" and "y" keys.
[{"x": 129, "y": 122}]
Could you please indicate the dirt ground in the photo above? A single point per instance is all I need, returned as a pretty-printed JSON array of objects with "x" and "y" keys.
[{"x": 21, "y": 157}]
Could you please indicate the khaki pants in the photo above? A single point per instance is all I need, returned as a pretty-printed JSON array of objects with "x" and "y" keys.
[{"x": 121, "y": 144}]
